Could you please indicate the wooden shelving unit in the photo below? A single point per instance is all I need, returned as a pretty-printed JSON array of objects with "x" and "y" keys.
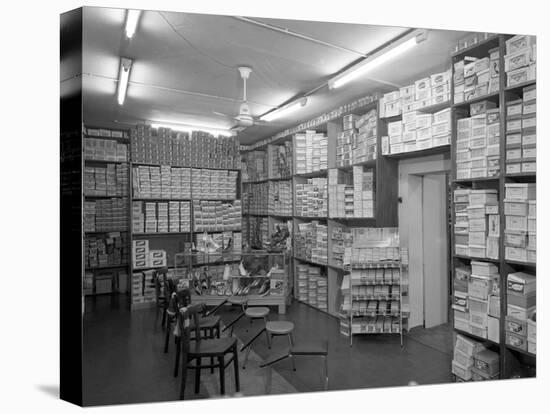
[{"x": 510, "y": 357}]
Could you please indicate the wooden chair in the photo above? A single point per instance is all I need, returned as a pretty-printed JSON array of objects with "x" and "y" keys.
[
  {"x": 191, "y": 353},
  {"x": 162, "y": 294}
]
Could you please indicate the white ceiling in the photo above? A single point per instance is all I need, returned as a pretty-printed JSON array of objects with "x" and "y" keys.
[{"x": 185, "y": 67}]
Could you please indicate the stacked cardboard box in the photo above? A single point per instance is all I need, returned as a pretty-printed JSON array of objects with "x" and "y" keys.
[
  {"x": 254, "y": 165},
  {"x": 520, "y": 59},
  {"x": 106, "y": 215},
  {"x": 311, "y": 242},
  {"x": 521, "y": 294},
  {"x": 108, "y": 180},
  {"x": 259, "y": 232},
  {"x": 477, "y": 223},
  {"x": 213, "y": 184},
  {"x": 357, "y": 142},
  {"x": 342, "y": 242},
  {"x": 340, "y": 193},
  {"x": 216, "y": 216},
  {"x": 473, "y": 362},
  {"x": 476, "y": 77},
  {"x": 105, "y": 150},
  {"x": 312, "y": 286},
  {"x": 425, "y": 92},
  {"x": 311, "y": 198},
  {"x": 280, "y": 198},
  {"x": 311, "y": 152},
  {"x": 110, "y": 249},
  {"x": 166, "y": 147},
  {"x": 478, "y": 142},
  {"x": 521, "y": 226},
  {"x": 419, "y": 131},
  {"x": 281, "y": 160},
  {"x": 363, "y": 192},
  {"x": 256, "y": 198},
  {"x": 521, "y": 133}
]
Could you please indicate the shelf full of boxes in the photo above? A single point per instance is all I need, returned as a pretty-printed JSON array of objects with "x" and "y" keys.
[
  {"x": 185, "y": 193},
  {"x": 105, "y": 211},
  {"x": 418, "y": 118},
  {"x": 492, "y": 194}
]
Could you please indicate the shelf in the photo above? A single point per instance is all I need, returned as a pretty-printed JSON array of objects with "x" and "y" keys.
[
  {"x": 493, "y": 96},
  {"x": 125, "y": 230},
  {"x": 522, "y": 175},
  {"x": 475, "y": 180},
  {"x": 283, "y": 216},
  {"x": 264, "y": 180},
  {"x": 281, "y": 178},
  {"x": 381, "y": 265},
  {"x": 521, "y": 351},
  {"x": 375, "y": 283},
  {"x": 484, "y": 259},
  {"x": 99, "y": 197},
  {"x": 113, "y": 267},
  {"x": 518, "y": 89},
  {"x": 125, "y": 140},
  {"x": 160, "y": 199},
  {"x": 310, "y": 261},
  {"x": 214, "y": 231},
  {"x": 161, "y": 234},
  {"x": 149, "y": 164},
  {"x": 256, "y": 214},
  {"x": 368, "y": 163},
  {"x": 314, "y": 174},
  {"x": 362, "y": 298},
  {"x": 376, "y": 313},
  {"x": 311, "y": 218},
  {"x": 526, "y": 264},
  {"x": 86, "y": 160},
  {"x": 485, "y": 44},
  {"x": 442, "y": 149},
  {"x": 430, "y": 109},
  {"x": 338, "y": 268},
  {"x": 348, "y": 219},
  {"x": 478, "y": 338}
]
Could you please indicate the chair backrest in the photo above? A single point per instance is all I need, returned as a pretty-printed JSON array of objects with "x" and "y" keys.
[
  {"x": 186, "y": 314},
  {"x": 160, "y": 280}
]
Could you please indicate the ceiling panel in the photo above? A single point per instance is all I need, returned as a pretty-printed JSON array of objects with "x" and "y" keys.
[{"x": 185, "y": 66}]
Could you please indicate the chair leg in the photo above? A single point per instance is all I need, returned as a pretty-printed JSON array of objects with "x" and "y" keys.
[
  {"x": 163, "y": 317},
  {"x": 326, "y": 373},
  {"x": 269, "y": 339},
  {"x": 236, "y": 367},
  {"x": 211, "y": 358},
  {"x": 178, "y": 353},
  {"x": 221, "y": 361},
  {"x": 167, "y": 339},
  {"x": 198, "y": 375},
  {"x": 291, "y": 357},
  {"x": 183, "y": 377}
]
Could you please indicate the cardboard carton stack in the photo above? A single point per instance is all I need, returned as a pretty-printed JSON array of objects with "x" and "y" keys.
[
  {"x": 256, "y": 198},
  {"x": 477, "y": 223},
  {"x": 482, "y": 285},
  {"x": 110, "y": 249},
  {"x": 281, "y": 160},
  {"x": 476, "y": 77},
  {"x": 254, "y": 165},
  {"x": 356, "y": 143},
  {"x": 198, "y": 149},
  {"x": 465, "y": 350},
  {"x": 478, "y": 142},
  {"x": 363, "y": 192},
  {"x": 106, "y": 215},
  {"x": 105, "y": 150},
  {"x": 311, "y": 152},
  {"x": 280, "y": 198},
  {"x": 216, "y": 215},
  {"x": 311, "y": 242},
  {"x": 342, "y": 242},
  {"x": 213, "y": 184},
  {"x": 521, "y": 133},
  {"x": 521, "y": 295},
  {"x": 521, "y": 226},
  {"x": 108, "y": 180},
  {"x": 312, "y": 286},
  {"x": 311, "y": 198},
  {"x": 520, "y": 61},
  {"x": 340, "y": 197}
]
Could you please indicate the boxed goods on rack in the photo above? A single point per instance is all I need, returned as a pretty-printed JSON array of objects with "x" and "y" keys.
[
  {"x": 311, "y": 242},
  {"x": 106, "y": 215},
  {"x": 520, "y": 61},
  {"x": 107, "y": 180},
  {"x": 311, "y": 198},
  {"x": 340, "y": 197},
  {"x": 311, "y": 152},
  {"x": 521, "y": 133},
  {"x": 213, "y": 184},
  {"x": 110, "y": 249},
  {"x": 476, "y": 77},
  {"x": 472, "y": 361},
  {"x": 520, "y": 215},
  {"x": 312, "y": 286},
  {"x": 254, "y": 165},
  {"x": 175, "y": 183},
  {"x": 256, "y": 198},
  {"x": 476, "y": 223},
  {"x": 281, "y": 160},
  {"x": 199, "y": 149},
  {"x": 258, "y": 231},
  {"x": 478, "y": 142},
  {"x": 280, "y": 198},
  {"x": 216, "y": 215},
  {"x": 342, "y": 242},
  {"x": 363, "y": 192},
  {"x": 97, "y": 149},
  {"x": 521, "y": 302},
  {"x": 357, "y": 142}
]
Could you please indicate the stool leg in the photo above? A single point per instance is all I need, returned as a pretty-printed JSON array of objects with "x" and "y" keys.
[
  {"x": 163, "y": 323},
  {"x": 167, "y": 338},
  {"x": 198, "y": 376},
  {"x": 183, "y": 378},
  {"x": 221, "y": 361},
  {"x": 178, "y": 352},
  {"x": 236, "y": 367},
  {"x": 269, "y": 339},
  {"x": 291, "y": 343},
  {"x": 246, "y": 355},
  {"x": 268, "y": 379},
  {"x": 211, "y": 358},
  {"x": 326, "y": 373}
]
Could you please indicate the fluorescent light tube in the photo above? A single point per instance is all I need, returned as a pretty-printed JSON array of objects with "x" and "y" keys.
[
  {"x": 376, "y": 60},
  {"x": 191, "y": 127},
  {"x": 285, "y": 110},
  {"x": 123, "y": 77},
  {"x": 132, "y": 18}
]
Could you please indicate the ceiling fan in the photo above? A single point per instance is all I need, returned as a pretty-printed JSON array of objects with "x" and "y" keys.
[{"x": 244, "y": 118}]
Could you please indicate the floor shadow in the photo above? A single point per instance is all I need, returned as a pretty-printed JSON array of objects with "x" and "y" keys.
[{"x": 50, "y": 389}]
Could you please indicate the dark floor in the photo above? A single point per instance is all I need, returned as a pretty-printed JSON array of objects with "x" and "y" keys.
[{"x": 124, "y": 362}]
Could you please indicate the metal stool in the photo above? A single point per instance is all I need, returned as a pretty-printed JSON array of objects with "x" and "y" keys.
[
  {"x": 255, "y": 312},
  {"x": 236, "y": 301},
  {"x": 279, "y": 328}
]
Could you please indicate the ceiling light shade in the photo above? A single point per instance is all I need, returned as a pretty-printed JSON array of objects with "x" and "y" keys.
[
  {"x": 379, "y": 58},
  {"x": 284, "y": 110},
  {"x": 123, "y": 77},
  {"x": 191, "y": 127},
  {"x": 132, "y": 18}
]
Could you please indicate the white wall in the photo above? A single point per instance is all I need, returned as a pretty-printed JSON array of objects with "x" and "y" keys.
[{"x": 409, "y": 212}]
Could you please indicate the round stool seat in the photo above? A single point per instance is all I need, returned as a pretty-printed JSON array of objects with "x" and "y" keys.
[
  {"x": 279, "y": 327},
  {"x": 257, "y": 312},
  {"x": 237, "y": 300}
]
